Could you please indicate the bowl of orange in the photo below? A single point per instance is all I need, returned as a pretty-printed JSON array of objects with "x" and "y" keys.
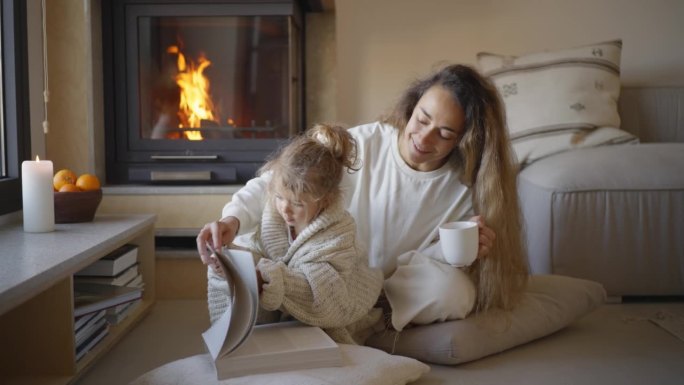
[{"x": 76, "y": 197}]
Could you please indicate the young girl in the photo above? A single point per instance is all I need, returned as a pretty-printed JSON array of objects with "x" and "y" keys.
[{"x": 310, "y": 267}]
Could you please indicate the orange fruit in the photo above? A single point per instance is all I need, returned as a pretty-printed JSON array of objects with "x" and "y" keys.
[
  {"x": 62, "y": 177},
  {"x": 69, "y": 188},
  {"x": 88, "y": 182}
]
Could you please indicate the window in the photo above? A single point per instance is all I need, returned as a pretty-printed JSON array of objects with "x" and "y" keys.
[{"x": 14, "y": 111}]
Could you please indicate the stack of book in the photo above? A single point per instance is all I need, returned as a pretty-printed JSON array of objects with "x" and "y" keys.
[
  {"x": 105, "y": 292},
  {"x": 119, "y": 268},
  {"x": 88, "y": 331}
]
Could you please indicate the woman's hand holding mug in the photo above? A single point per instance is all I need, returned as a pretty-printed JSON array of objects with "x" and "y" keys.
[
  {"x": 463, "y": 242},
  {"x": 486, "y": 237}
]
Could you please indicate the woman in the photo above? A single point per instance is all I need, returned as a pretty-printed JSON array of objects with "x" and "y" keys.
[{"x": 441, "y": 156}]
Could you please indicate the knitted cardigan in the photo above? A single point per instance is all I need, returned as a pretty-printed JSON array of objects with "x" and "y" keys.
[{"x": 321, "y": 279}]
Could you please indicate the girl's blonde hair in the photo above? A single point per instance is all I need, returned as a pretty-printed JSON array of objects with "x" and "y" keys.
[
  {"x": 487, "y": 164},
  {"x": 313, "y": 163}
]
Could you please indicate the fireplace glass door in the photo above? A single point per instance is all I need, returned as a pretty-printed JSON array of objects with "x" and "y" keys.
[
  {"x": 210, "y": 87},
  {"x": 209, "y": 78}
]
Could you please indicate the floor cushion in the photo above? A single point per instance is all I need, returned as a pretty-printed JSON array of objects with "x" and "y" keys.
[
  {"x": 549, "y": 303},
  {"x": 364, "y": 366}
]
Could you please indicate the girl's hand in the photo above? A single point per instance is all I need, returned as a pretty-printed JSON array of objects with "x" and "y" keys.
[
  {"x": 219, "y": 233},
  {"x": 487, "y": 236}
]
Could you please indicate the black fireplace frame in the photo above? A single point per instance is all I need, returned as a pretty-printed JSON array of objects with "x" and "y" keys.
[{"x": 132, "y": 160}]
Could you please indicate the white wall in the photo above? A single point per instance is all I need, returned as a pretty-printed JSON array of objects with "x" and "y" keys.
[{"x": 384, "y": 44}]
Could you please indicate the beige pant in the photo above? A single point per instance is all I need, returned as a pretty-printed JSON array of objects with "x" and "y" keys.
[{"x": 423, "y": 290}]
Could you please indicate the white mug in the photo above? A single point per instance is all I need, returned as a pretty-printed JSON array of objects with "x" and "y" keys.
[{"x": 459, "y": 241}]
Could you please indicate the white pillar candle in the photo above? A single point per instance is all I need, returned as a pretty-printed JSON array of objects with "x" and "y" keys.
[{"x": 37, "y": 194}]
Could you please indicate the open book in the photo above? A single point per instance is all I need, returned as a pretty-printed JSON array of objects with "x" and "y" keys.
[{"x": 239, "y": 348}]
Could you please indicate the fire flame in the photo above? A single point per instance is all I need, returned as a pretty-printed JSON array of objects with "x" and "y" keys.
[{"x": 195, "y": 100}]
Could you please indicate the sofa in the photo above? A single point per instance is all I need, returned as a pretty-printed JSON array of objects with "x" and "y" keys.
[
  {"x": 614, "y": 214},
  {"x": 601, "y": 182}
]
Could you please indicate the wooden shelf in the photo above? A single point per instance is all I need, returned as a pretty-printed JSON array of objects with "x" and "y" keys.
[
  {"x": 36, "y": 294},
  {"x": 116, "y": 332}
]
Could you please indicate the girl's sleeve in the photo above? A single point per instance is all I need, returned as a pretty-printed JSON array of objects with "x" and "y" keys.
[
  {"x": 317, "y": 293},
  {"x": 218, "y": 295},
  {"x": 248, "y": 203}
]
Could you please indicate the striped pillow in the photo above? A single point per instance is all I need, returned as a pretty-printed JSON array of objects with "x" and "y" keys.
[{"x": 559, "y": 100}]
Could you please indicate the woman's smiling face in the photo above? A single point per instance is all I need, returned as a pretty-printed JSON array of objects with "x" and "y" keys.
[{"x": 433, "y": 131}]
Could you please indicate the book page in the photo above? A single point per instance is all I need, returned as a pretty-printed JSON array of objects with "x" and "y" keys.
[
  {"x": 280, "y": 347},
  {"x": 285, "y": 337},
  {"x": 215, "y": 336},
  {"x": 233, "y": 328}
]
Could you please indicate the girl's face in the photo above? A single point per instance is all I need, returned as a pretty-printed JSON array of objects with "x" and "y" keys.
[
  {"x": 297, "y": 211},
  {"x": 433, "y": 131}
]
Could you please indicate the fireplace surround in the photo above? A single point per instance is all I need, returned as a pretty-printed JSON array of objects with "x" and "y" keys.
[{"x": 200, "y": 92}]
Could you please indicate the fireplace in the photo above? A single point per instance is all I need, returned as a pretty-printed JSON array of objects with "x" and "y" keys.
[{"x": 200, "y": 92}]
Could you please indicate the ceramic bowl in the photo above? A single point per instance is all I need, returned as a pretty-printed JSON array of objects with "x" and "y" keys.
[{"x": 73, "y": 207}]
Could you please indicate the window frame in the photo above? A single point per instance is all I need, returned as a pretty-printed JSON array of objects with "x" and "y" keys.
[{"x": 15, "y": 101}]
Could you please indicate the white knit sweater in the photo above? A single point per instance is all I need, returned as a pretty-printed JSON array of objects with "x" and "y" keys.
[{"x": 320, "y": 279}]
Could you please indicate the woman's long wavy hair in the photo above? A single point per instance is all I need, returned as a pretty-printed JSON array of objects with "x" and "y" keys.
[{"x": 487, "y": 164}]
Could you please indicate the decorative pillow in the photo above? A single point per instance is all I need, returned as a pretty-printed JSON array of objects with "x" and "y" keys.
[
  {"x": 559, "y": 100},
  {"x": 550, "y": 303},
  {"x": 364, "y": 366}
]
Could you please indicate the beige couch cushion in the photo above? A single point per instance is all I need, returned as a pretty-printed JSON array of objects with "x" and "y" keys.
[{"x": 611, "y": 215}]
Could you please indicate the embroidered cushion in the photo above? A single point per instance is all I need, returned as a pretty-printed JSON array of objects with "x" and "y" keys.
[{"x": 559, "y": 100}]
